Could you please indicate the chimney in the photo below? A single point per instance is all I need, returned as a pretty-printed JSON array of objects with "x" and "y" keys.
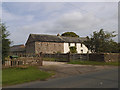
[{"x": 58, "y": 34}]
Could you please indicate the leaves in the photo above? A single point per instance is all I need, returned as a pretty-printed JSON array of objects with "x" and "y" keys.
[
  {"x": 73, "y": 49},
  {"x": 5, "y": 41},
  {"x": 70, "y": 34},
  {"x": 101, "y": 42}
]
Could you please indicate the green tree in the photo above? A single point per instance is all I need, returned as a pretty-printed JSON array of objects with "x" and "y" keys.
[
  {"x": 73, "y": 49},
  {"x": 101, "y": 42},
  {"x": 5, "y": 41},
  {"x": 0, "y": 43},
  {"x": 70, "y": 34},
  {"x": 119, "y": 47}
]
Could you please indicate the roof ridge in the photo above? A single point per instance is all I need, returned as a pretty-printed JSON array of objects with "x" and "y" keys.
[{"x": 43, "y": 34}]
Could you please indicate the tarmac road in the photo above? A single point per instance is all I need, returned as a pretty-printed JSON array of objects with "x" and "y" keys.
[{"x": 107, "y": 78}]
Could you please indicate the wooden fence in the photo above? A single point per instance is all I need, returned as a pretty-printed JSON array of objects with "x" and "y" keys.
[
  {"x": 26, "y": 58},
  {"x": 66, "y": 57}
]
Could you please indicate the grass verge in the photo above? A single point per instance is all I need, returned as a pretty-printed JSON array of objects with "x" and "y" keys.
[
  {"x": 19, "y": 75},
  {"x": 94, "y": 63}
]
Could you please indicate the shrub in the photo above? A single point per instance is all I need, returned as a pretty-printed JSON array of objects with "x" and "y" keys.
[{"x": 73, "y": 49}]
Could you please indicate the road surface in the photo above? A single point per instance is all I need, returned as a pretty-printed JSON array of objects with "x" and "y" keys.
[{"x": 107, "y": 78}]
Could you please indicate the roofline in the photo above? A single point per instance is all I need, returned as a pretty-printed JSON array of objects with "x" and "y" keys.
[{"x": 53, "y": 41}]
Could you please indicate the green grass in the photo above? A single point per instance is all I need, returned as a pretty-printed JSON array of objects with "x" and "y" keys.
[
  {"x": 94, "y": 63},
  {"x": 12, "y": 76}
]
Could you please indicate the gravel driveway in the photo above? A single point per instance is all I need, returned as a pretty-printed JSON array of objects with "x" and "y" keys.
[{"x": 62, "y": 69}]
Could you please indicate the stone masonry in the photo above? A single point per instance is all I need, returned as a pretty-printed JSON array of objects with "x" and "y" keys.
[{"x": 49, "y": 47}]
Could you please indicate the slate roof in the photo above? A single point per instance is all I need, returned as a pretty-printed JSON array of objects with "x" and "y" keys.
[
  {"x": 53, "y": 38},
  {"x": 17, "y": 48},
  {"x": 72, "y": 39}
]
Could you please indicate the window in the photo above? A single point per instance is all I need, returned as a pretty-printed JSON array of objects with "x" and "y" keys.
[
  {"x": 69, "y": 44},
  {"x": 75, "y": 44},
  {"x": 81, "y": 51},
  {"x": 81, "y": 45}
]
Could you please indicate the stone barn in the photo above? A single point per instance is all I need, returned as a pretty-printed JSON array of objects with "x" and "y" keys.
[
  {"x": 17, "y": 49},
  {"x": 37, "y": 43}
]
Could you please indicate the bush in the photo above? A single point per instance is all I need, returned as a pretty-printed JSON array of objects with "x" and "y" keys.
[{"x": 73, "y": 49}]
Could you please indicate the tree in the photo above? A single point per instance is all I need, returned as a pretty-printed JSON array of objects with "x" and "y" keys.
[
  {"x": 119, "y": 47},
  {"x": 101, "y": 42},
  {"x": 70, "y": 34},
  {"x": 73, "y": 49},
  {"x": 5, "y": 41}
]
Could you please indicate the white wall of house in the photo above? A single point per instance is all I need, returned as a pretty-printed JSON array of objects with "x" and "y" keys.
[
  {"x": 80, "y": 48},
  {"x": 83, "y": 49},
  {"x": 66, "y": 47},
  {"x": 78, "y": 45},
  {"x": 72, "y": 44}
]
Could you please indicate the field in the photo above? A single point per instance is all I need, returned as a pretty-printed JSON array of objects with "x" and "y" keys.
[{"x": 19, "y": 75}]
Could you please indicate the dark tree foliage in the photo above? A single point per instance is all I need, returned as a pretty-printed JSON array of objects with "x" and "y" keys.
[
  {"x": 70, "y": 34},
  {"x": 102, "y": 42},
  {"x": 119, "y": 47},
  {"x": 5, "y": 41},
  {"x": 73, "y": 49}
]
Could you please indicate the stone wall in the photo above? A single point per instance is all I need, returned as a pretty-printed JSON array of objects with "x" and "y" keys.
[
  {"x": 111, "y": 57},
  {"x": 30, "y": 48},
  {"x": 106, "y": 57},
  {"x": 96, "y": 57},
  {"x": 23, "y": 61},
  {"x": 49, "y": 47}
]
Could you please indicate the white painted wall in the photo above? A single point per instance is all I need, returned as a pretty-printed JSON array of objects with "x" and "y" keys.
[
  {"x": 66, "y": 47},
  {"x": 78, "y": 45},
  {"x": 72, "y": 44},
  {"x": 84, "y": 48}
]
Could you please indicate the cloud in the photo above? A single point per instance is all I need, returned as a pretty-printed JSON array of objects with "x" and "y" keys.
[
  {"x": 10, "y": 17},
  {"x": 0, "y": 10},
  {"x": 72, "y": 21},
  {"x": 53, "y": 18},
  {"x": 76, "y": 21}
]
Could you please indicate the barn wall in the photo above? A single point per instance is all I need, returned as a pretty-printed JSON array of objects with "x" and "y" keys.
[
  {"x": 30, "y": 47},
  {"x": 49, "y": 47}
]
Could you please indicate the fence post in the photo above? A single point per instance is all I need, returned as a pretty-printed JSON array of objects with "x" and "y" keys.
[
  {"x": 12, "y": 62},
  {"x": 87, "y": 56},
  {"x": 68, "y": 56},
  {"x": 40, "y": 59}
]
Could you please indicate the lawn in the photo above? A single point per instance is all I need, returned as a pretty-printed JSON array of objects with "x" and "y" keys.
[
  {"x": 19, "y": 75},
  {"x": 94, "y": 63}
]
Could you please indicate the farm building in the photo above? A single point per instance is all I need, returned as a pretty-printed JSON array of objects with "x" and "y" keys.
[
  {"x": 37, "y": 43},
  {"x": 17, "y": 49}
]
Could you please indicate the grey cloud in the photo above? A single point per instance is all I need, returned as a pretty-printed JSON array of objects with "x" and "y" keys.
[
  {"x": 97, "y": 16},
  {"x": 74, "y": 21}
]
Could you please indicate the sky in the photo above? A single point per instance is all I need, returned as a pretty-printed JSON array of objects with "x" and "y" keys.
[{"x": 83, "y": 18}]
